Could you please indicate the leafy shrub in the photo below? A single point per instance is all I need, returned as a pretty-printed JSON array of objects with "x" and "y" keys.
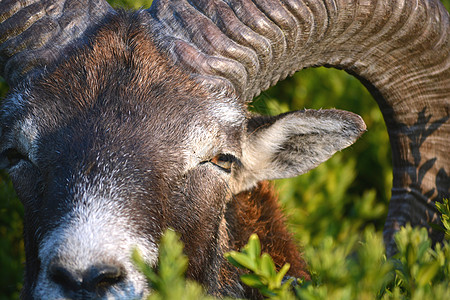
[
  {"x": 168, "y": 282},
  {"x": 11, "y": 242},
  {"x": 263, "y": 274},
  {"x": 348, "y": 270}
]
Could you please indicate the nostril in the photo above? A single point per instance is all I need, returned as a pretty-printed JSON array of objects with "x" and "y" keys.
[
  {"x": 102, "y": 276},
  {"x": 63, "y": 277},
  {"x": 96, "y": 278}
]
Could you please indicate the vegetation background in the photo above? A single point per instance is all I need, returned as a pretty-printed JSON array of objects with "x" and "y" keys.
[{"x": 335, "y": 202}]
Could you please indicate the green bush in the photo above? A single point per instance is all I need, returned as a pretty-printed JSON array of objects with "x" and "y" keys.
[
  {"x": 11, "y": 227},
  {"x": 350, "y": 269},
  {"x": 262, "y": 272},
  {"x": 168, "y": 282}
]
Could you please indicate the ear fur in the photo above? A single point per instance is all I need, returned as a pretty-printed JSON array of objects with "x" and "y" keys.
[{"x": 293, "y": 143}]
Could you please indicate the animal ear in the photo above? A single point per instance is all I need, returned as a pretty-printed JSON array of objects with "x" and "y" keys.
[{"x": 293, "y": 143}]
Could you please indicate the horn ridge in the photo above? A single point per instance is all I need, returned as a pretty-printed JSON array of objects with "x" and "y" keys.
[
  {"x": 34, "y": 34},
  {"x": 399, "y": 49},
  {"x": 189, "y": 30}
]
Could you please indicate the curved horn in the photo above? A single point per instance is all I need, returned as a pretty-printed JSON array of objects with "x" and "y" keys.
[
  {"x": 33, "y": 34},
  {"x": 399, "y": 49}
]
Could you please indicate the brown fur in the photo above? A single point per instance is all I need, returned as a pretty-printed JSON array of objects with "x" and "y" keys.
[
  {"x": 257, "y": 211},
  {"x": 121, "y": 73},
  {"x": 121, "y": 59}
]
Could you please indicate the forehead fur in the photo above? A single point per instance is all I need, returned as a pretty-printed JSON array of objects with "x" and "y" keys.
[
  {"x": 120, "y": 61},
  {"x": 119, "y": 90}
]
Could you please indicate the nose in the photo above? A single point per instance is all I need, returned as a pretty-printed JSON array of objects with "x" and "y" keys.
[{"x": 97, "y": 278}]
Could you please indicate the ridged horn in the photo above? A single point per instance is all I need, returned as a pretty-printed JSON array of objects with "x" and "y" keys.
[
  {"x": 399, "y": 49},
  {"x": 34, "y": 34}
]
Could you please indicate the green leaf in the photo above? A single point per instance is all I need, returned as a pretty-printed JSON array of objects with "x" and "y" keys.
[
  {"x": 252, "y": 280},
  {"x": 423, "y": 247},
  {"x": 241, "y": 260},
  {"x": 280, "y": 275},
  {"x": 232, "y": 261},
  {"x": 267, "y": 266},
  {"x": 444, "y": 209},
  {"x": 427, "y": 273},
  {"x": 253, "y": 248}
]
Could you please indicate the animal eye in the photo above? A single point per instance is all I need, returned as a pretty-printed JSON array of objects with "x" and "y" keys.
[
  {"x": 13, "y": 157},
  {"x": 224, "y": 161}
]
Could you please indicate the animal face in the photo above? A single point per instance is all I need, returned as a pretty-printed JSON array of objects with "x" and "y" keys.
[
  {"x": 100, "y": 174},
  {"x": 112, "y": 179},
  {"x": 115, "y": 145}
]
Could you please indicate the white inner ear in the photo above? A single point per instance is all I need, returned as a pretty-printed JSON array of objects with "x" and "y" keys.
[{"x": 296, "y": 143}]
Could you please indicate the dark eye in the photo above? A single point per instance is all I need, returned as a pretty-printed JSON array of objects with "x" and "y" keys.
[
  {"x": 224, "y": 161},
  {"x": 13, "y": 157}
]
